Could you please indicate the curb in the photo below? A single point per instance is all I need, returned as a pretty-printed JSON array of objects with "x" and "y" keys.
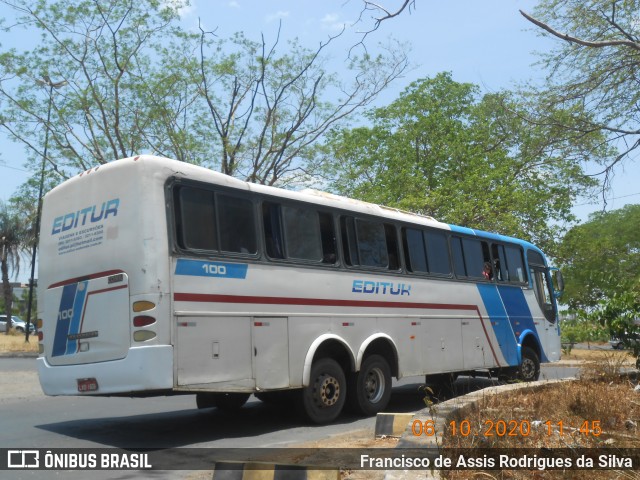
[
  {"x": 439, "y": 414},
  {"x": 392, "y": 424},
  {"x": 271, "y": 471}
]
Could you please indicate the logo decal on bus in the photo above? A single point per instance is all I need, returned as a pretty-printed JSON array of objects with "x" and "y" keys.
[
  {"x": 198, "y": 268},
  {"x": 381, "y": 288},
  {"x": 67, "y": 333},
  {"x": 87, "y": 215}
]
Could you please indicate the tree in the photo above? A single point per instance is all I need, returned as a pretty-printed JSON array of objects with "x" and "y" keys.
[
  {"x": 13, "y": 238},
  {"x": 594, "y": 66},
  {"x": 442, "y": 149},
  {"x": 600, "y": 258},
  {"x": 102, "y": 52},
  {"x": 266, "y": 109},
  {"x": 137, "y": 82}
]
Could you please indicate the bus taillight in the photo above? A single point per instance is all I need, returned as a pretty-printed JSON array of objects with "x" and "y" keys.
[
  {"x": 143, "y": 321},
  {"x": 143, "y": 306}
]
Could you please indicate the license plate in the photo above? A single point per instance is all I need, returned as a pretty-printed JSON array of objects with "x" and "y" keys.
[{"x": 87, "y": 385}]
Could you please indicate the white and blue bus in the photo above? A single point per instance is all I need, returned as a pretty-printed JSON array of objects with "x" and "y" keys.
[{"x": 158, "y": 277}]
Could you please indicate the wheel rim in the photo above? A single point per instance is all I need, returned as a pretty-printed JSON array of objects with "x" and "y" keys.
[
  {"x": 327, "y": 391},
  {"x": 528, "y": 368},
  {"x": 374, "y": 385}
]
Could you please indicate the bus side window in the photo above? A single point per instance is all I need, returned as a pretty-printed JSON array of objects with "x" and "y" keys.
[
  {"x": 372, "y": 245},
  {"x": 349, "y": 246},
  {"x": 328, "y": 238},
  {"x": 469, "y": 257},
  {"x": 515, "y": 264},
  {"x": 415, "y": 252},
  {"x": 302, "y": 233},
  {"x": 272, "y": 230},
  {"x": 426, "y": 251},
  {"x": 500, "y": 262},
  {"x": 458, "y": 257},
  {"x": 236, "y": 224},
  {"x": 391, "y": 238},
  {"x": 195, "y": 219},
  {"x": 365, "y": 243},
  {"x": 437, "y": 252}
]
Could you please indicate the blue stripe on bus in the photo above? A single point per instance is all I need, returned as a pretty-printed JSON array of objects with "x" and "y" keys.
[
  {"x": 76, "y": 319},
  {"x": 65, "y": 312},
  {"x": 199, "y": 268},
  {"x": 499, "y": 322},
  {"x": 518, "y": 311}
]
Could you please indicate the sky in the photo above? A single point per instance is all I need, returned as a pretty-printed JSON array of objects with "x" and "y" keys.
[{"x": 486, "y": 42}]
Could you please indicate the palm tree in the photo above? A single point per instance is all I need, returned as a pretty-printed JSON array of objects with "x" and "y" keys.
[{"x": 13, "y": 236}]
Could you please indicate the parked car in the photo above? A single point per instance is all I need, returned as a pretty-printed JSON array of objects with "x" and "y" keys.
[
  {"x": 617, "y": 344},
  {"x": 18, "y": 324}
]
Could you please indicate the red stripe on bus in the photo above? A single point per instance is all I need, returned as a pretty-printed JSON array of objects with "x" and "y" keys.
[
  {"x": 213, "y": 298},
  {"x": 85, "y": 277}
]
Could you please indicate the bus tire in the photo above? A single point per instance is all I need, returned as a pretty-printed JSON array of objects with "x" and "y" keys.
[
  {"x": 322, "y": 401},
  {"x": 205, "y": 400},
  {"x": 369, "y": 390},
  {"x": 231, "y": 401},
  {"x": 529, "y": 369}
]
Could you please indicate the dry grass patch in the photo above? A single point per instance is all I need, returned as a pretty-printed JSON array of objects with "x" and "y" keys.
[
  {"x": 600, "y": 410},
  {"x": 14, "y": 342}
]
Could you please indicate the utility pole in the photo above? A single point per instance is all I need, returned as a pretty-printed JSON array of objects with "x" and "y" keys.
[{"x": 46, "y": 81}]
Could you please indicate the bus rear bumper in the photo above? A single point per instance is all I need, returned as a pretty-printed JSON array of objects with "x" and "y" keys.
[{"x": 143, "y": 369}]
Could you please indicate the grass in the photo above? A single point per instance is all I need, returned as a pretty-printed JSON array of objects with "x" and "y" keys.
[
  {"x": 600, "y": 410},
  {"x": 14, "y": 342}
]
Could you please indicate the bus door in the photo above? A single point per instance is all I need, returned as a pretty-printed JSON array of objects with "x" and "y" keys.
[{"x": 542, "y": 288}]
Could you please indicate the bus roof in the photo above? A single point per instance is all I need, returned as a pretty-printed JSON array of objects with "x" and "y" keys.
[{"x": 168, "y": 168}]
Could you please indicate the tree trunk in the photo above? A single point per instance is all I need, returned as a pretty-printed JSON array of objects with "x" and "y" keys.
[{"x": 7, "y": 291}]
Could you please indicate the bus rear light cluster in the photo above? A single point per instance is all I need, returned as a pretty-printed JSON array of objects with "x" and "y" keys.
[
  {"x": 40, "y": 335},
  {"x": 141, "y": 321}
]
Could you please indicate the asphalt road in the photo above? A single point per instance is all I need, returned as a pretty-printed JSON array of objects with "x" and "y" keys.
[{"x": 29, "y": 419}]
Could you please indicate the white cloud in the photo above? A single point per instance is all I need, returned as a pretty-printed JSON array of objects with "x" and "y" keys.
[
  {"x": 233, "y": 4},
  {"x": 331, "y": 21},
  {"x": 277, "y": 16}
]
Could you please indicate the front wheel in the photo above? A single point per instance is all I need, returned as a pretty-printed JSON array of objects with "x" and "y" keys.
[
  {"x": 529, "y": 370},
  {"x": 322, "y": 401},
  {"x": 369, "y": 389}
]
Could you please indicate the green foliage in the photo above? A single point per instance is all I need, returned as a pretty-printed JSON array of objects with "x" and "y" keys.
[
  {"x": 601, "y": 258},
  {"x": 121, "y": 78},
  {"x": 583, "y": 330},
  {"x": 14, "y": 237},
  {"x": 620, "y": 313},
  {"x": 443, "y": 149}
]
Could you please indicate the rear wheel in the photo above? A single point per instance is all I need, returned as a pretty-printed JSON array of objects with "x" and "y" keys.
[
  {"x": 529, "y": 370},
  {"x": 369, "y": 389},
  {"x": 323, "y": 400}
]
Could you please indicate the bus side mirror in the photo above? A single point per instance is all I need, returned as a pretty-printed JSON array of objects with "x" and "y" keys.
[{"x": 558, "y": 282}]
